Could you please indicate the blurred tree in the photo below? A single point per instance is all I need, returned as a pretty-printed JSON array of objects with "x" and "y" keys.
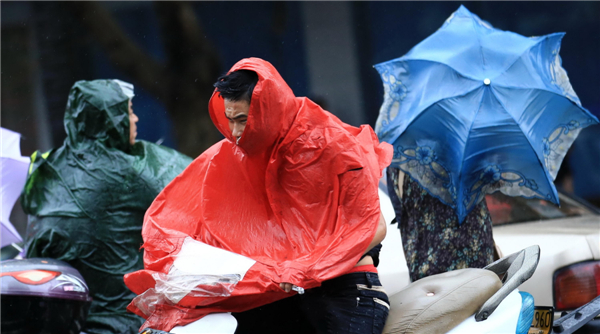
[{"x": 183, "y": 82}]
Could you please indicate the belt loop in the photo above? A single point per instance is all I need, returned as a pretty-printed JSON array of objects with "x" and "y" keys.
[{"x": 369, "y": 279}]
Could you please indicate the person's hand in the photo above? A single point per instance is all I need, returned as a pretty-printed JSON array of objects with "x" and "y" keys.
[{"x": 287, "y": 287}]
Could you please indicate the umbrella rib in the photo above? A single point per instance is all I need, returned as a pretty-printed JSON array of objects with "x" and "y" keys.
[
  {"x": 428, "y": 106},
  {"x": 544, "y": 38},
  {"x": 580, "y": 107},
  {"x": 403, "y": 59},
  {"x": 479, "y": 42},
  {"x": 548, "y": 176},
  {"x": 440, "y": 63},
  {"x": 462, "y": 159},
  {"x": 544, "y": 90}
]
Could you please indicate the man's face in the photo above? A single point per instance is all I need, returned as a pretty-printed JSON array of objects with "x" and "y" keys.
[
  {"x": 237, "y": 114},
  {"x": 132, "y": 126}
]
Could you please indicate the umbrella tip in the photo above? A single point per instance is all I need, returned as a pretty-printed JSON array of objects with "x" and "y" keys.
[{"x": 487, "y": 81}]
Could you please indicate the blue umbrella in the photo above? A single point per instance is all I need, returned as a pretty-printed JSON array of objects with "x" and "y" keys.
[{"x": 472, "y": 110}]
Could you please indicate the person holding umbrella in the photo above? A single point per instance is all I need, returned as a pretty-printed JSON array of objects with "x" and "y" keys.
[
  {"x": 434, "y": 241},
  {"x": 472, "y": 110},
  {"x": 86, "y": 199}
]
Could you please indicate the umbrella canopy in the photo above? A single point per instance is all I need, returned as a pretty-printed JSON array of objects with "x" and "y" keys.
[
  {"x": 13, "y": 172},
  {"x": 472, "y": 110}
]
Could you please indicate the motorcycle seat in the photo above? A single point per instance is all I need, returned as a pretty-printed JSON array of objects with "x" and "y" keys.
[{"x": 438, "y": 303}]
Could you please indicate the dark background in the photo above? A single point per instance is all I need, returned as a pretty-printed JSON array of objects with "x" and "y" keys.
[{"x": 173, "y": 51}]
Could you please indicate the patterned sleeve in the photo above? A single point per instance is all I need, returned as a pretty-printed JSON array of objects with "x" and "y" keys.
[{"x": 393, "y": 191}]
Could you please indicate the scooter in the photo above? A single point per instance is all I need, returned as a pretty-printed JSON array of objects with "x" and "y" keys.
[
  {"x": 462, "y": 301},
  {"x": 50, "y": 296},
  {"x": 42, "y": 295}
]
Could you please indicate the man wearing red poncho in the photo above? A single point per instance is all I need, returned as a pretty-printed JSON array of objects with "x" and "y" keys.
[{"x": 290, "y": 188}]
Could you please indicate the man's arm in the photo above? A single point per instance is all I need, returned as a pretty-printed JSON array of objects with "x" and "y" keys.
[
  {"x": 377, "y": 239},
  {"x": 379, "y": 234}
]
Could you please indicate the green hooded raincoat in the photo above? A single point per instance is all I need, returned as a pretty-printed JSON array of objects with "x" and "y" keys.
[{"x": 86, "y": 199}]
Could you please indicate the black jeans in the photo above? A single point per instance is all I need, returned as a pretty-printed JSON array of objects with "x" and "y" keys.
[{"x": 352, "y": 303}]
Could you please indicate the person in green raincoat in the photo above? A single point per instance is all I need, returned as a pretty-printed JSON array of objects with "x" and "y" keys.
[{"x": 86, "y": 199}]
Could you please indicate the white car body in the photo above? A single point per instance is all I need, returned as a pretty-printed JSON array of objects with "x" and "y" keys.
[
  {"x": 392, "y": 269},
  {"x": 562, "y": 242}
]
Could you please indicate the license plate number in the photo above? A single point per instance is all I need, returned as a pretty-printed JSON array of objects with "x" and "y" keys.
[{"x": 543, "y": 317}]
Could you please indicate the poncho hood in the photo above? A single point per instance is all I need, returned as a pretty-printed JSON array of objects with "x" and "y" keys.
[
  {"x": 298, "y": 195},
  {"x": 273, "y": 108},
  {"x": 98, "y": 111}
]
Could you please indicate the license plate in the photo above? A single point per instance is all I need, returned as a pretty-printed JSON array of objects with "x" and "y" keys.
[{"x": 543, "y": 317}]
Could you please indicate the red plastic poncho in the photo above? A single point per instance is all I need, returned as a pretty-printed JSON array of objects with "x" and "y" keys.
[{"x": 298, "y": 194}]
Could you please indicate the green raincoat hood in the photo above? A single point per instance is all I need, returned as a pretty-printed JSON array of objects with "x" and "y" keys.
[
  {"x": 98, "y": 111},
  {"x": 86, "y": 199}
]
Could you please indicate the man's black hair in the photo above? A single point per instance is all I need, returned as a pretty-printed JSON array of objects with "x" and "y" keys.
[{"x": 237, "y": 85}]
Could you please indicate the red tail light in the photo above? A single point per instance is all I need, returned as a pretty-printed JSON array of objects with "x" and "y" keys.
[
  {"x": 32, "y": 277},
  {"x": 576, "y": 285}
]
